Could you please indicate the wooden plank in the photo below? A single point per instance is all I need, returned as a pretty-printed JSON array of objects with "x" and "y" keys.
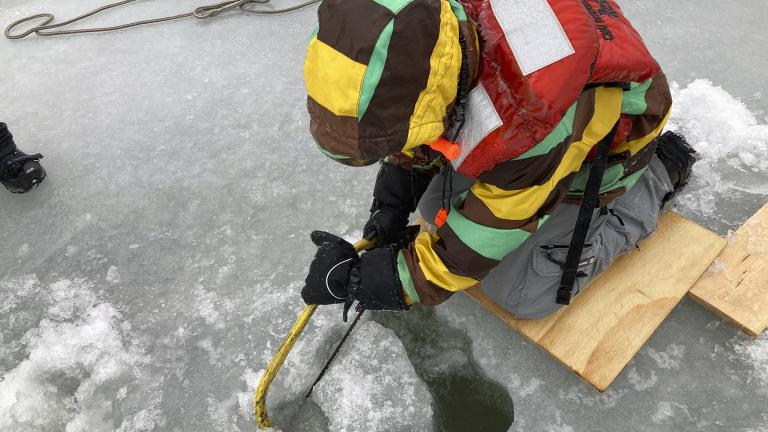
[
  {"x": 605, "y": 325},
  {"x": 736, "y": 285}
]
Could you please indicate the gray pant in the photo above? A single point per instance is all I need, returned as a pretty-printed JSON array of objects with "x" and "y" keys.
[{"x": 526, "y": 281}]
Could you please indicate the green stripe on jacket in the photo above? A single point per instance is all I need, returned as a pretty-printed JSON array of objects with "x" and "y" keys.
[
  {"x": 558, "y": 135},
  {"x": 492, "y": 243},
  {"x": 375, "y": 68},
  {"x": 405, "y": 278},
  {"x": 395, "y": 6},
  {"x": 633, "y": 102},
  {"x": 458, "y": 10},
  {"x": 613, "y": 178}
]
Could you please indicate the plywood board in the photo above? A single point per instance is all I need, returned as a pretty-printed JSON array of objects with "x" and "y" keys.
[
  {"x": 605, "y": 325},
  {"x": 736, "y": 285}
]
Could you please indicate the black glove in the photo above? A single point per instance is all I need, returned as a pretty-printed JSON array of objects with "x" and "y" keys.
[
  {"x": 339, "y": 275},
  {"x": 395, "y": 196},
  {"x": 328, "y": 278},
  {"x": 386, "y": 225}
]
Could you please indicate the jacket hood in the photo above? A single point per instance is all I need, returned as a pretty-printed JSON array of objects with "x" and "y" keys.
[{"x": 382, "y": 75}]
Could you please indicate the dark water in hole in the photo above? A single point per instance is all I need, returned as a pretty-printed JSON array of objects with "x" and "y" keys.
[
  {"x": 464, "y": 398},
  {"x": 470, "y": 402}
]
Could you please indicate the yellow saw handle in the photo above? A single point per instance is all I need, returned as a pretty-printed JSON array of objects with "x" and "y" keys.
[{"x": 260, "y": 399}]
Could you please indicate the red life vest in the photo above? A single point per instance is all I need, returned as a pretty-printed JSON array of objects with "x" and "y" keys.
[{"x": 537, "y": 56}]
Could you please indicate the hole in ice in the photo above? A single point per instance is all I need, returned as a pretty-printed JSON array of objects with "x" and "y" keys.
[{"x": 465, "y": 399}]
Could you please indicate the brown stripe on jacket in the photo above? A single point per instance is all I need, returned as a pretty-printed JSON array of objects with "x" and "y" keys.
[
  {"x": 467, "y": 29},
  {"x": 641, "y": 159},
  {"x": 355, "y": 38},
  {"x": 523, "y": 173},
  {"x": 385, "y": 124},
  {"x": 534, "y": 171},
  {"x": 379, "y": 147},
  {"x": 585, "y": 110},
  {"x": 429, "y": 293},
  {"x": 459, "y": 258},
  {"x": 336, "y": 134},
  {"x": 658, "y": 100},
  {"x": 475, "y": 209}
]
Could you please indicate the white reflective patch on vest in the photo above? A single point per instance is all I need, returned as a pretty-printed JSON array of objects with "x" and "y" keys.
[
  {"x": 533, "y": 32},
  {"x": 480, "y": 119}
]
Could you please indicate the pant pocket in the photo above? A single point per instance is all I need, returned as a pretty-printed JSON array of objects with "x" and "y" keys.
[
  {"x": 545, "y": 273},
  {"x": 615, "y": 236},
  {"x": 637, "y": 225}
]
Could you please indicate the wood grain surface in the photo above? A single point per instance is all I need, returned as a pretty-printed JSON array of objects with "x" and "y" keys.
[{"x": 736, "y": 285}]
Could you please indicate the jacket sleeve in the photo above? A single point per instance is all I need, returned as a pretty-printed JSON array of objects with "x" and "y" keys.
[{"x": 509, "y": 203}]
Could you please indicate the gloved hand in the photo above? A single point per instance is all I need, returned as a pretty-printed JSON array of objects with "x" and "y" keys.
[
  {"x": 386, "y": 225},
  {"x": 328, "y": 278},
  {"x": 339, "y": 275},
  {"x": 395, "y": 195}
]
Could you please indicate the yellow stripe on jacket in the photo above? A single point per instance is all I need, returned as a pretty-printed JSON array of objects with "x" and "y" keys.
[{"x": 521, "y": 204}]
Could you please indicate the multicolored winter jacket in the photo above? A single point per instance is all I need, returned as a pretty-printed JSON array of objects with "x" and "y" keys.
[
  {"x": 508, "y": 203},
  {"x": 547, "y": 80}
]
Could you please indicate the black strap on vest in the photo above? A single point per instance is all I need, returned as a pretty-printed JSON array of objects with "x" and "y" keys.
[{"x": 586, "y": 210}]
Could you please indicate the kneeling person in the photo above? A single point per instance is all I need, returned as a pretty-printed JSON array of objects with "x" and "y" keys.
[{"x": 495, "y": 140}]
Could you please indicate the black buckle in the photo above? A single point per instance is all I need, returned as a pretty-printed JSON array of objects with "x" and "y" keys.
[{"x": 563, "y": 297}]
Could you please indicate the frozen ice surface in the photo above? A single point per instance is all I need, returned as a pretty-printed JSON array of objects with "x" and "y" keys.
[
  {"x": 150, "y": 279},
  {"x": 81, "y": 364},
  {"x": 755, "y": 352},
  {"x": 373, "y": 387}
]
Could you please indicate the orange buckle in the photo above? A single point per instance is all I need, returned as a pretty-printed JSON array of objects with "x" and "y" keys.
[
  {"x": 449, "y": 149},
  {"x": 441, "y": 217}
]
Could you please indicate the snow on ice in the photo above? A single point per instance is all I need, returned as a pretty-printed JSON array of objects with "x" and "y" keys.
[
  {"x": 733, "y": 148},
  {"x": 79, "y": 364}
]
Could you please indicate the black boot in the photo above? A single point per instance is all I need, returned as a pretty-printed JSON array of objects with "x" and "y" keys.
[
  {"x": 20, "y": 172},
  {"x": 678, "y": 158}
]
